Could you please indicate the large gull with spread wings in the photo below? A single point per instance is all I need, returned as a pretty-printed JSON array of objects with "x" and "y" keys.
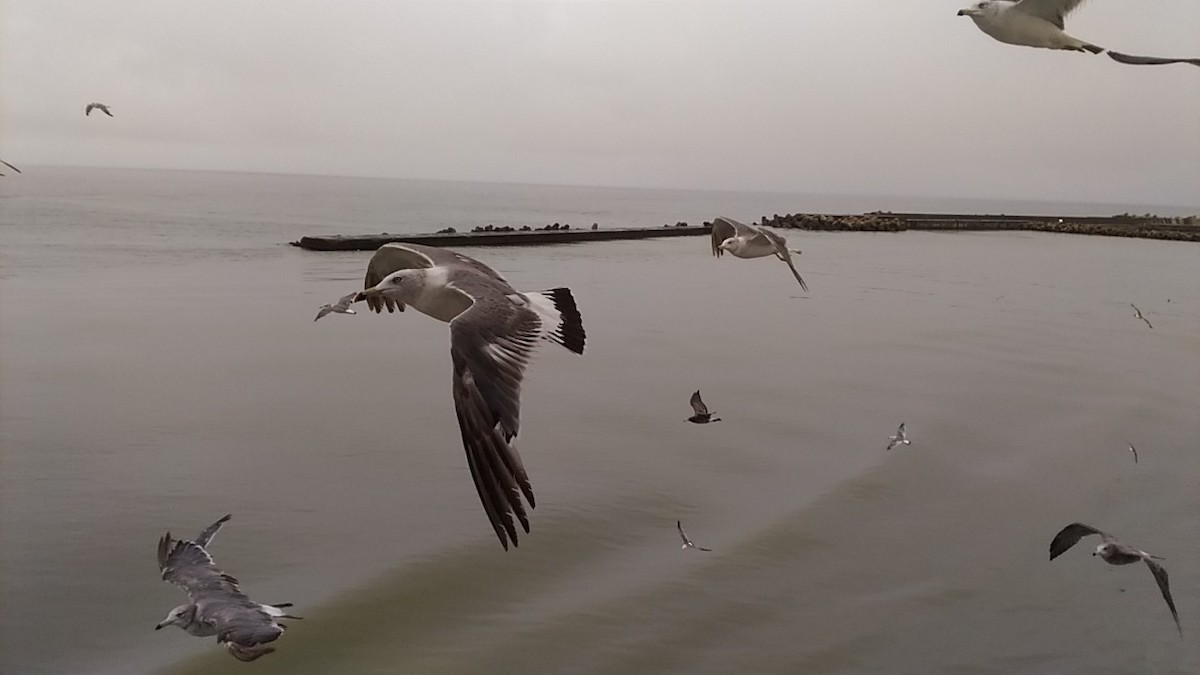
[
  {"x": 216, "y": 604},
  {"x": 494, "y": 330}
]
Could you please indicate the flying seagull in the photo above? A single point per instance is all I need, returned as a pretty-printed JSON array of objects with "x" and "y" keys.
[
  {"x": 494, "y": 330},
  {"x": 1137, "y": 313},
  {"x": 687, "y": 543},
  {"x": 98, "y": 106},
  {"x": 342, "y": 306},
  {"x": 1134, "y": 451},
  {"x": 1114, "y": 552},
  {"x": 702, "y": 415},
  {"x": 216, "y": 605},
  {"x": 1031, "y": 23},
  {"x": 749, "y": 241},
  {"x": 899, "y": 439}
]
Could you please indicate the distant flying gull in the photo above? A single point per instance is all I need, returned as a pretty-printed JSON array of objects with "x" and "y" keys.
[
  {"x": 749, "y": 241},
  {"x": 899, "y": 439},
  {"x": 99, "y": 106},
  {"x": 687, "y": 543},
  {"x": 1114, "y": 552},
  {"x": 342, "y": 306},
  {"x": 1137, "y": 313},
  {"x": 1134, "y": 451},
  {"x": 493, "y": 332},
  {"x": 702, "y": 415},
  {"x": 9, "y": 166},
  {"x": 217, "y": 606}
]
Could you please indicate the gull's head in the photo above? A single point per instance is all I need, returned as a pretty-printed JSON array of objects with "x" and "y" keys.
[
  {"x": 179, "y": 616},
  {"x": 977, "y": 9},
  {"x": 1102, "y": 549},
  {"x": 397, "y": 285},
  {"x": 728, "y": 245}
]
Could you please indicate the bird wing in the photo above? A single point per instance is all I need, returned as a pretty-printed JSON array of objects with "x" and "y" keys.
[
  {"x": 10, "y": 166},
  {"x": 1147, "y": 60},
  {"x": 1160, "y": 576},
  {"x": 1050, "y": 10},
  {"x": 697, "y": 405},
  {"x": 724, "y": 228},
  {"x": 784, "y": 254},
  {"x": 682, "y": 535},
  {"x": 88, "y": 109},
  {"x": 209, "y": 532},
  {"x": 491, "y": 343},
  {"x": 1069, "y": 536},
  {"x": 219, "y": 600},
  {"x": 396, "y": 256}
]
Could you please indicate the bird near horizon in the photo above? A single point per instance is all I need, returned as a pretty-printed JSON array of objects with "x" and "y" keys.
[
  {"x": 1114, "y": 552},
  {"x": 96, "y": 106},
  {"x": 749, "y": 241},
  {"x": 216, "y": 604},
  {"x": 494, "y": 331},
  {"x": 687, "y": 543},
  {"x": 1040, "y": 23},
  {"x": 700, "y": 413},
  {"x": 900, "y": 438},
  {"x": 342, "y": 306}
]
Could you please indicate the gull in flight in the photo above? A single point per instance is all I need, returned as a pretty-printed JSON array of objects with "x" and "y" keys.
[
  {"x": 1039, "y": 23},
  {"x": 1114, "y": 552},
  {"x": 1134, "y": 451},
  {"x": 1137, "y": 313},
  {"x": 494, "y": 330},
  {"x": 749, "y": 241},
  {"x": 342, "y": 306},
  {"x": 702, "y": 415},
  {"x": 899, "y": 439},
  {"x": 687, "y": 543},
  {"x": 216, "y": 605},
  {"x": 98, "y": 106}
]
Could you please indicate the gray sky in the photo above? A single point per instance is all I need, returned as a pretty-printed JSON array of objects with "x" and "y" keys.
[{"x": 895, "y": 97}]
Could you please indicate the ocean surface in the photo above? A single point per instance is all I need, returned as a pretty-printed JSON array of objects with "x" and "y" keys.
[{"x": 160, "y": 367}]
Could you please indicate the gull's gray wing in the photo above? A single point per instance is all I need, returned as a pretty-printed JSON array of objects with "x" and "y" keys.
[
  {"x": 1147, "y": 60},
  {"x": 10, "y": 166},
  {"x": 1134, "y": 451},
  {"x": 784, "y": 254},
  {"x": 88, "y": 109},
  {"x": 209, "y": 532},
  {"x": 491, "y": 343},
  {"x": 1050, "y": 10},
  {"x": 1069, "y": 536},
  {"x": 219, "y": 601},
  {"x": 686, "y": 541},
  {"x": 1160, "y": 576},
  {"x": 697, "y": 405},
  {"x": 396, "y": 256},
  {"x": 724, "y": 228}
]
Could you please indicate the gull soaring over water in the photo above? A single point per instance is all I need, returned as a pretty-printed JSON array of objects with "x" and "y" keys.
[
  {"x": 701, "y": 415},
  {"x": 1133, "y": 450},
  {"x": 96, "y": 106},
  {"x": 342, "y": 306},
  {"x": 687, "y": 543},
  {"x": 749, "y": 241},
  {"x": 1114, "y": 552},
  {"x": 899, "y": 438},
  {"x": 216, "y": 605},
  {"x": 1137, "y": 313},
  {"x": 494, "y": 330}
]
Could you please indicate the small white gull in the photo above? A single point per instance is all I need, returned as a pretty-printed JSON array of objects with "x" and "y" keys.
[
  {"x": 1137, "y": 313},
  {"x": 687, "y": 543},
  {"x": 1114, "y": 552},
  {"x": 342, "y": 306},
  {"x": 494, "y": 330},
  {"x": 749, "y": 241},
  {"x": 900, "y": 438},
  {"x": 216, "y": 605}
]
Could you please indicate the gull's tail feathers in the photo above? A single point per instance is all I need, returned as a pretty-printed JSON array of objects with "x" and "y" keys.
[
  {"x": 560, "y": 317},
  {"x": 1147, "y": 60}
]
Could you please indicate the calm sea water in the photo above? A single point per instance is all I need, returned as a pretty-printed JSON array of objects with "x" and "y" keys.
[{"x": 159, "y": 367}]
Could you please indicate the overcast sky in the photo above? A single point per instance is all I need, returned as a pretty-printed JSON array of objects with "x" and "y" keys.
[{"x": 890, "y": 97}]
